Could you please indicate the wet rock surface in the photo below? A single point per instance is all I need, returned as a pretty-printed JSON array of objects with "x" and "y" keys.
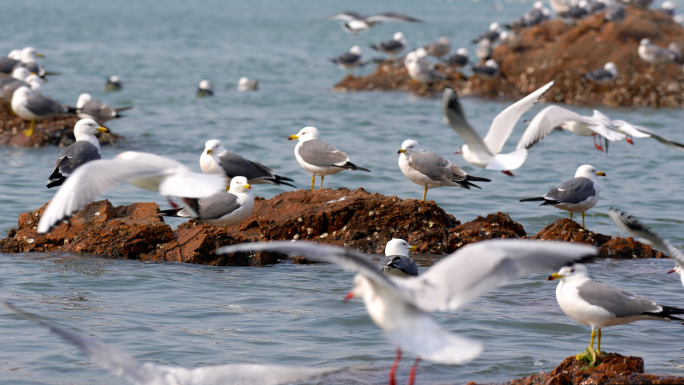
[
  {"x": 350, "y": 218},
  {"x": 614, "y": 369},
  {"x": 57, "y": 131},
  {"x": 563, "y": 51}
]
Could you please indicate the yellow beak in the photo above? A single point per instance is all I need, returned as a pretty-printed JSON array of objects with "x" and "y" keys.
[
  {"x": 401, "y": 151},
  {"x": 601, "y": 173},
  {"x": 209, "y": 151},
  {"x": 248, "y": 186},
  {"x": 554, "y": 276},
  {"x": 413, "y": 248},
  {"x": 292, "y": 137},
  {"x": 102, "y": 129}
]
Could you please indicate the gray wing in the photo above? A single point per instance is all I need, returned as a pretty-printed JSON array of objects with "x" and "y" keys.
[
  {"x": 348, "y": 16},
  {"x": 598, "y": 74},
  {"x": 617, "y": 301},
  {"x": 403, "y": 263},
  {"x": 480, "y": 267},
  {"x": 575, "y": 190},
  {"x": 637, "y": 229},
  {"x": 217, "y": 205},
  {"x": 252, "y": 374},
  {"x": 431, "y": 165},
  {"x": 320, "y": 153},
  {"x": 7, "y": 64},
  {"x": 44, "y": 106},
  {"x": 8, "y": 88},
  {"x": 391, "y": 16},
  {"x": 235, "y": 165},
  {"x": 545, "y": 121},
  {"x": 642, "y": 132},
  {"x": 75, "y": 155},
  {"x": 389, "y": 45},
  {"x": 113, "y": 360},
  {"x": 98, "y": 110},
  {"x": 455, "y": 117},
  {"x": 347, "y": 58}
]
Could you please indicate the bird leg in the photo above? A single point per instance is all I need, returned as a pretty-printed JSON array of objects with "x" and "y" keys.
[
  {"x": 598, "y": 347},
  {"x": 589, "y": 354},
  {"x": 570, "y": 215},
  {"x": 313, "y": 179},
  {"x": 322, "y": 177},
  {"x": 32, "y": 127},
  {"x": 583, "y": 220},
  {"x": 393, "y": 370},
  {"x": 629, "y": 140},
  {"x": 508, "y": 173},
  {"x": 412, "y": 374},
  {"x": 597, "y": 142},
  {"x": 424, "y": 193}
]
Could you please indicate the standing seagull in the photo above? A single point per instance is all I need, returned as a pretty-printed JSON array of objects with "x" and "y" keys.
[
  {"x": 215, "y": 159},
  {"x": 430, "y": 170},
  {"x": 224, "y": 208},
  {"x": 489, "y": 70},
  {"x": 603, "y": 75},
  {"x": 123, "y": 365},
  {"x": 637, "y": 229},
  {"x": 420, "y": 69},
  {"x": 34, "y": 106},
  {"x": 438, "y": 48},
  {"x": 318, "y": 157},
  {"x": 459, "y": 59},
  {"x": 392, "y": 47},
  {"x": 492, "y": 34},
  {"x": 653, "y": 54},
  {"x": 83, "y": 150},
  {"x": 599, "y": 305},
  {"x": 400, "y": 264},
  {"x": 89, "y": 108},
  {"x": 349, "y": 60},
  {"x": 575, "y": 195},
  {"x": 354, "y": 23},
  {"x": 485, "y": 152},
  {"x": 401, "y": 307}
]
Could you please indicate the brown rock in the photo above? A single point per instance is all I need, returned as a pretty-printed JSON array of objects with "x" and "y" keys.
[{"x": 497, "y": 225}]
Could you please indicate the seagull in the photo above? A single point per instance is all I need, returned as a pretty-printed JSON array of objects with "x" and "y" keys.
[
  {"x": 34, "y": 106},
  {"x": 459, "y": 59},
  {"x": 247, "y": 84},
  {"x": 215, "y": 159},
  {"x": 631, "y": 130},
  {"x": 420, "y": 69},
  {"x": 668, "y": 7},
  {"x": 354, "y": 23},
  {"x": 552, "y": 117},
  {"x": 400, "y": 264},
  {"x": 318, "y": 157},
  {"x": 32, "y": 81},
  {"x": 83, "y": 150},
  {"x": 144, "y": 170},
  {"x": 124, "y": 365},
  {"x": 393, "y": 46},
  {"x": 27, "y": 58},
  {"x": 438, "y": 48},
  {"x": 599, "y": 305},
  {"x": 486, "y": 153},
  {"x": 677, "y": 50},
  {"x": 614, "y": 12},
  {"x": 349, "y": 60},
  {"x": 430, "y": 170},
  {"x": 492, "y": 34},
  {"x": 637, "y": 229},
  {"x": 89, "y": 108},
  {"x": 113, "y": 83},
  {"x": 653, "y": 54},
  {"x": 401, "y": 307},
  {"x": 489, "y": 70},
  {"x": 224, "y": 208},
  {"x": 536, "y": 15},
  {"x": 205, "y": 88},
  {"x": 604, "y": 75},
  {"x": 484, "y": 50},
  {"x": 575, "y": 195},
  {"x": 19, "y": 73},
  {"x": 560, "y": 6}
]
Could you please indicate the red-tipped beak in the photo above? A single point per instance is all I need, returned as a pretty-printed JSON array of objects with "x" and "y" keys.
[
  {"x": 349, "y": 296},
  {"x": 457, "y": 152},
  {"x": 671, "y": 271},
  {"x": 549, "y": 278}
]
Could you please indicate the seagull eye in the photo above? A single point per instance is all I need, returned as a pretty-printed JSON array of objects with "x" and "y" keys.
[{"x": 572, "y": 270}]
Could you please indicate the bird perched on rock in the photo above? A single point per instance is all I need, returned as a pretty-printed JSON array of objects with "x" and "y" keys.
[
  {"x": 85, "y": 149},
  {"x": 247, "y": 84},
  {"x": 484, "y": 50},
  {"x": 89, "y": 108},
  {"x": 668, "y": 8},
  {"x": 576, "y": 195},
  {"x": 34, "y": 106},
  {"x": 420, "y": 69},
  {"x": 489, "y": 70},
  {"x": 216, "y": 159},
  {"x": 438, "y": 48},
  {"x": 400, "y": 264},
  {"x": 599, "y": 305},
  {"x": 430, "y": 170},
  {"x": 318, "y": 157},
  {"x": 224, "y": 208},
  {"x": 25, "y": 58},
  {"x": 392, "y": 47},
  {"x": 536, "y": 15},
  {"x": 349, "y": 60},
  {"x": 113, "y": 83},
  {"x": 604, "y": 75},
  {"x": 459, "y": 59},
  {"x": 615, "y": 12},
  {"x": 492, "y": 34},
  {"x": 653, "y": 54},
  {"x": 675, "y": 48},
  {"x": 354, "y": 23},
  {"x": 32, "y": 81},
  {"x": 205, "y": 88}
]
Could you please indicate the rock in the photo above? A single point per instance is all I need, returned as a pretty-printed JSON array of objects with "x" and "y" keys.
[
  {"x": 497, "y": 225},
  {"x": 614, "y": 369},
  {"x": 58, "y": 130},
  {"x": 558, "y": 50}
]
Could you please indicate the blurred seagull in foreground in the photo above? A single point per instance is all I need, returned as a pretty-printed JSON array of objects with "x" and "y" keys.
[
  {"x": 124, "y": 365},
  {"x": 392, "y": 47},
  {"x": 247, "y": 84},
  {"x": 486, "y": 153},
  {"x": 637, "y": 229},
  {"x": 354, "y": 23},
  {"x": 113, "y": 83},
  {"x": 349, "y": 60},
  {"x": 575, "y": 195},
  {"x": 89, "y": 108},
  {"x": 438, "y": 48},
  {"x": 85, "y": 149},
  {"x": 604, "y": 75},
  {"x": 400, "y": 264},
  {"x": 205, "y": 88},
  {"x": 401, "y": 307}
]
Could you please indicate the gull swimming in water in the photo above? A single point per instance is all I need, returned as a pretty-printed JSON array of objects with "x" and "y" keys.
[
  {"x": 34, "y": 106},
  {"x": 599, "y": 305},
  {"x": 400, "y": 264},
  {"x": 318, "y": 157},
  {"x": 401, "y": 307},
  {"x": 392, "y": 47},
  {"x": 113, "y": 83},
  {"x": 575, "y": 195},
  {"x": 216, "y": 159},
  {"x": 637, "y": 229},
  {"x": 124, "y": 365},
  {"x": 89, "y": 108},
  {"x": 85, "y": 149},
  {"x": 430, "y": 170},
  {"x": 486, "y": 153},
  {"x": 354, "y": 23},
  {"x": 144, "y": 170},
  {"x": 247, "y": 84},
  {"x": 205, "y": 88}
]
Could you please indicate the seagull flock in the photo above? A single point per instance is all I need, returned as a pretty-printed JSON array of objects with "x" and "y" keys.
[{"x": 399, "y": 298}]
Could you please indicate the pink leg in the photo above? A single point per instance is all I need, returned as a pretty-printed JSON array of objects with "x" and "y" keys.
[
  {"x": 629, "y": 140},
  {"x": 597, "y": 142},
  {"x": 412, "y": 375},
  {"x": 395, "y": 365},
  {"x": 508, "y": 173},
  {"x": 172, "y": 203}
]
